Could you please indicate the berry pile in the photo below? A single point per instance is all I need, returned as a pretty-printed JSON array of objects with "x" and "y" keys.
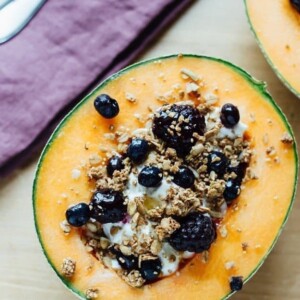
[{"x": 179, "y": 127}]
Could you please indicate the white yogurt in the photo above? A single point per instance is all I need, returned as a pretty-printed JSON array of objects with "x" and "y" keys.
[
  {"x": 187, "y": 254},
  {"x": 237, "y": 131},
  {"x": 124, "y": 230},
  {"x": 170, "y": 259},
  {"x": 115, "y": 264},
  {"x": 213, "y": 118}
]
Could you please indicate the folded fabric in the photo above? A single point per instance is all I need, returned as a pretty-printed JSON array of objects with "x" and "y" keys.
[{"x": 64, "y": 51}]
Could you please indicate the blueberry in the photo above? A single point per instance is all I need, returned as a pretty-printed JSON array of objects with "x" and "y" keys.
[
  {"x": 176, "y": 124},
  {"x": 127, "y": 262},
  {"x": 184, "y": 177},
  {"x": 106, "y": 106},
  {"x": 239, "y": 170},
  {"x": 150, "y": 269},
  {"x": 115, "y": 163},
  {"x": 217, "y": 162},
  {"x": 195, "y": 234},
  {"x": 107, "y": 206},
  {"x": 138, "y": 150},
  {"x": 78, "y": 215},
  {"x": 150, "y": 176},
  {"x": 296, "y": 4},
  {"x": 236, "y": 283},
  {"x": 232, "y": 191},
  {"x": 230, "y": 115}
]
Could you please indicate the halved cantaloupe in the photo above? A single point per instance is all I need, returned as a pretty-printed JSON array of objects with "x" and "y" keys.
[
  {"x": 263, "y": 206},
  {"x": 276, "y": 26}
]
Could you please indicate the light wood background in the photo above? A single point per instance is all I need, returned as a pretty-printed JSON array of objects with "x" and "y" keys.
[{"x": 211, "y": 27}]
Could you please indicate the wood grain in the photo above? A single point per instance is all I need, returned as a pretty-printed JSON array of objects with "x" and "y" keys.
[{"x": 211, "y": 27}]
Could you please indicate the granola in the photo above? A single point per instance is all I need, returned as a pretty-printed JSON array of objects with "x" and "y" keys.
[{"x": 68, "y": 267}]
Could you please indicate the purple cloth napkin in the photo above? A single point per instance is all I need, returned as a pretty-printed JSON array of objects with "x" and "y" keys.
[{"x": 65, "y": 50}]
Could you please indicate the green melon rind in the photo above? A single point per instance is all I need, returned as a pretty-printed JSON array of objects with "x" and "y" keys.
[
  {"x": 258, "y": 85},
  {"x": 267, "y": 57}
]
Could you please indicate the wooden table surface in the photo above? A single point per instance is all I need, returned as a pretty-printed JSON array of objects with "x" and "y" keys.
[{"x": 210, "y": 27}]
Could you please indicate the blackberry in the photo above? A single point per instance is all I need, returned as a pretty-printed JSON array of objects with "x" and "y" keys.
[
  {"x": 236, "y": 283},
  {"x": 217, "y": 162},
  {"x": 137, "y": 150},
  {"x": 150, "y": 176},
  {"x": 150, "y": 269},
  {"x": 176, "y": 125},
  {"x": 196, "y": 233},
  {"x": 107, "y": 206},
  {"x": 78, "y": 215},
  {"x": 296, "y": 4},
  {"x": 115, "y": 163},
  {"x": 184, "y": 177},
  {"x": 230, "y": 115},
  {"x": 106, "y": 106}
]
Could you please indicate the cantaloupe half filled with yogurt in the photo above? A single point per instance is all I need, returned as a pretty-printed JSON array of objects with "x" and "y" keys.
[
  {"x": 276, "y": 26},
  {"x": 177, "y": 146}
]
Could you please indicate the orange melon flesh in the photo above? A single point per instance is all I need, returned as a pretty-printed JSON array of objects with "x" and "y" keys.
[
  {"x": 276, "y": 25},
  {"x": 262, "y": 207}
]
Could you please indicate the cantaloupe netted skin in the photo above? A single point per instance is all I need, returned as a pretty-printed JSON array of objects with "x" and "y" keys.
[
  {"x": 262, "y": 207},
  {"x": 276, "y": 25}
]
